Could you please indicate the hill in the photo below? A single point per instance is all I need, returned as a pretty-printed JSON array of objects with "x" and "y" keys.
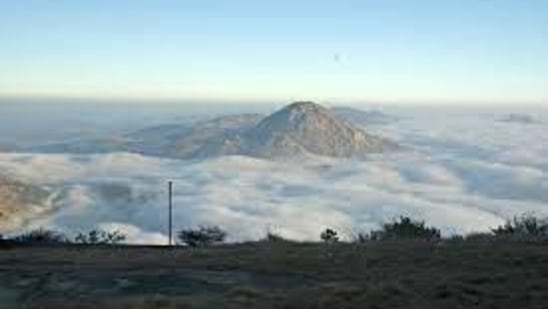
[
  {"x": 306, "y": 128},
  {"x": 361, "y": 117},
  {"x": 216, "y": 137},
  {"x": 20, "y": 202},
  {"x": 299, "y": 129},
  {"x": 520, "y": 118}
]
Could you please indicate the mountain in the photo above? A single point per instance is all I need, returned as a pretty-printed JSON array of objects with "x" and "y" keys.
[
  {"x": 20, "y": 202},
  {"x": 520, "y": 118},
  {"x": 362, "y": 118},
  {"x": 301, "y": 128},
  {"x": 216, "y": 137},
  {"x": 8, "y": 147},
  {"x": 155, "y": 140},
  {"x": 306, "y": 128},
  {"x": 86, "y": 146},
  {"x": 169, "y": 140}
]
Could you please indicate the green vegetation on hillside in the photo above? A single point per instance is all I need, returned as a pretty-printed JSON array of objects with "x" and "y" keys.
[{"x": 525, "y": 228}]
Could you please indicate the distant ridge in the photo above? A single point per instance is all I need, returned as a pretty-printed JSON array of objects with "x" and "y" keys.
[
  {"x": 363, "y": 117},
  {"x": 520, "y": 118}
]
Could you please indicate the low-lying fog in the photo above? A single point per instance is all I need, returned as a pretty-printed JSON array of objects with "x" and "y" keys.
[{"x": 465, "y": 170}]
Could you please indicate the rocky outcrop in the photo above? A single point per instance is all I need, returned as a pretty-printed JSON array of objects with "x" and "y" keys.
[{"x": 20, "y": 202}]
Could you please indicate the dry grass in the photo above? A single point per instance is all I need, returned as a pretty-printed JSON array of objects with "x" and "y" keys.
[{"x": 389, "y": 274}]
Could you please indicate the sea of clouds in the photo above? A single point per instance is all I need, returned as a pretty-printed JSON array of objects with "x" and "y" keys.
[{"x": 462, "y": 172}]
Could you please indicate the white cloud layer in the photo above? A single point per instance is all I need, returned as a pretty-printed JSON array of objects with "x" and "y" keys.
[{"x": 466, "y": 174}]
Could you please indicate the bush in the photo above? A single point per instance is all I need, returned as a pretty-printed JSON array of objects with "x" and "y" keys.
[
  {"x": 479, "y": 237},
  {"x": 42, "y": 236},
  {"x": 329, "y": 236},
  {"x": 457, "y": 238},
  {"x": 406, "y": 228},
  {"x": 527, "y": 226},
  {"x": 202, "y": 237},
  {"x": 273, "y": 237},
  {"x": 3, "y": 242},
  {"x": 100, "y": 237},
  {"x": 361, "y": 237}
]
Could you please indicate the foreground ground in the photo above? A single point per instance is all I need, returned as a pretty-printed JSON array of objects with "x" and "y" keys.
[{"x": 278, "y": 275}]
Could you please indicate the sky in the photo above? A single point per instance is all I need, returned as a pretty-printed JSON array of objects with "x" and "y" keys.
[{"x": 466, "y": 51}]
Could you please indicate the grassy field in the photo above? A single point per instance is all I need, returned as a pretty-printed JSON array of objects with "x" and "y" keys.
[{"x": 387, "y": 274}]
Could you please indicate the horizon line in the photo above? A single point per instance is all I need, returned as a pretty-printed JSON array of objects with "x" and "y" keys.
[{"x": 258, "y": 101}]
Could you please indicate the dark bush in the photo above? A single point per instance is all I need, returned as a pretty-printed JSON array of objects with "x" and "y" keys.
[
  {"x": 100, "y": 237},
  {"x": 42, "y": 236},
  {"x": 479, "y": 237},
  {"x": 405, "y": 228},
  {"x": 361, "y": 237},
  {"x": 527, "y": 226},
  {"x": 329, "y": 236},
  {"x": 457, "y": 238},
  {"x": 3, "y": 242},
  {"x": 273, "y": 237},
  {"x": 203, "y": 236}
]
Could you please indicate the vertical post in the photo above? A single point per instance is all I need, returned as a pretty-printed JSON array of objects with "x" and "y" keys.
[{"x": 170, "y": 183}]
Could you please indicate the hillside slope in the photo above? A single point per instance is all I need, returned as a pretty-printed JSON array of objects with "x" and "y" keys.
[{"x": 20, "y": 202}]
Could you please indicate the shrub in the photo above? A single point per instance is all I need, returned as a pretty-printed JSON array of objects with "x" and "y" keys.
[
  {"x": 329, "y": 236},
  {"x": 457, "y": 238},
  {"x": 527, "y": 226},
  {"x": 42, "y": 236},
  {"x": 406, "y": 228},
  {"x": 273, "y": 237},
  {"x": 100, "y": 237},
  {"x": 201, "y": 237},
  {"x": 3, "y": 241},
  {"x": 479, "y": 237},
  {"x": 361, "y": 237}
]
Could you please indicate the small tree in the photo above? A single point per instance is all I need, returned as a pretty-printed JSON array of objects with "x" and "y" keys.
[
  {"x": 202, "y": 237},
  {"x": 42, "y": 236},
  {"x": 329, "y": 236},
  {"x": 406, "y": 228},
  {"x": 100, "y": 237}
]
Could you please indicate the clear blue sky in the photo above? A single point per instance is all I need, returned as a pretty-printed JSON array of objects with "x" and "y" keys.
[{"x": 382, "y": 51}]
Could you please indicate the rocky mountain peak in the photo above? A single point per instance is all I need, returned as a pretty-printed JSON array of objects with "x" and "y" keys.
[
  {"x": 309, "y": 128},
  {"x": 304, "y": 107},
  {"x": 296, "y": 115}
]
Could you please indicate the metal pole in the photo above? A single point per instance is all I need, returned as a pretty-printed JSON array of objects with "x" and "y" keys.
[{"x": 170, "y": 213}]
